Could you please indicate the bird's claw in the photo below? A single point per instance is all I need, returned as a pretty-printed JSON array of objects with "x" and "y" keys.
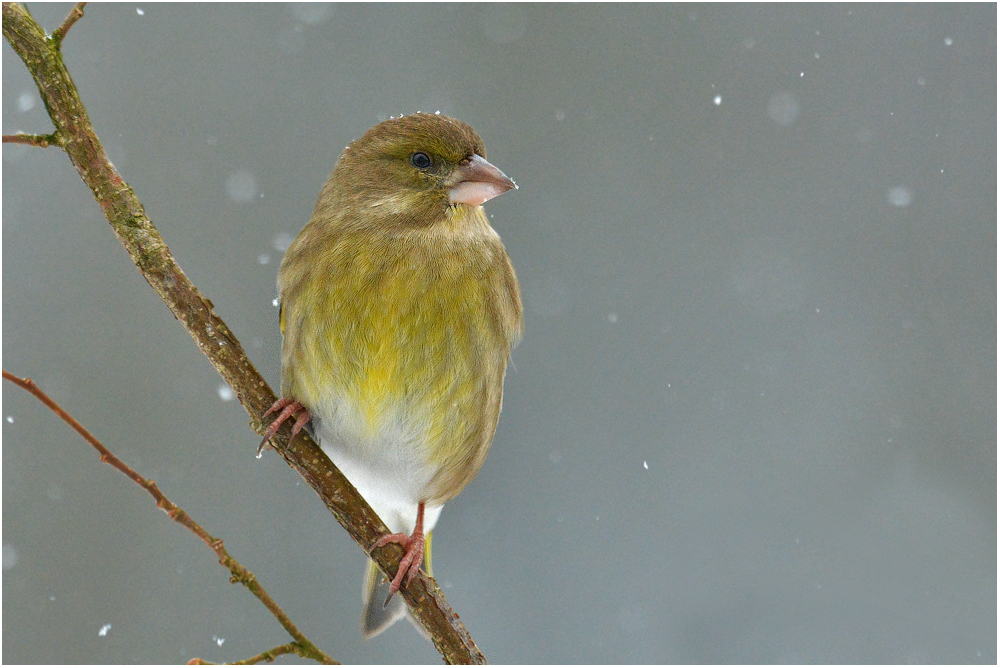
[
  {"x": 288, "y": 407},
  {"x": 409, "y": 565}
]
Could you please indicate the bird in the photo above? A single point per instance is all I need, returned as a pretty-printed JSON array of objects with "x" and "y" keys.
[{"x": 399, "y": 308}]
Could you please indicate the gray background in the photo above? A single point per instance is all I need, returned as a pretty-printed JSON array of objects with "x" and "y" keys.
[{"x": 753, "y": 416}]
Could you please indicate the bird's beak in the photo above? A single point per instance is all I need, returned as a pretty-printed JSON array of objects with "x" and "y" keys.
[{"x": 476, "y": 181}]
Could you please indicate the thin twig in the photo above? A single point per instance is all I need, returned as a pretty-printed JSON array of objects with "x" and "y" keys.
[
  {"x": 42, "y": 141},
  {"x": 302, "y": 645},
  {"x": 75, "y": 15},
  {"x": 270, "y": 655}
]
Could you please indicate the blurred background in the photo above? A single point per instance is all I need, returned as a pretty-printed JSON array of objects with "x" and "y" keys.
[{"x": 753, "y": 417}]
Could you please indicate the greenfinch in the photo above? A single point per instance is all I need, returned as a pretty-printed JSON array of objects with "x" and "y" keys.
[{"x": 399, "y": 310}]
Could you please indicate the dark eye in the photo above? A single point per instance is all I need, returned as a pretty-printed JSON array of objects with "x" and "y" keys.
[{"x": 420, "y": 160}]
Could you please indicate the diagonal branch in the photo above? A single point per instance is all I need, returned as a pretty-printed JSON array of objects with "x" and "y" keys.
[
  {"x": 150, "y": 254},
  {"x": 302, "y": 645}
]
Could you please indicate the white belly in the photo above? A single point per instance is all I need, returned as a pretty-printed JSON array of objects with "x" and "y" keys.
[{"x": 387, "y": 468}]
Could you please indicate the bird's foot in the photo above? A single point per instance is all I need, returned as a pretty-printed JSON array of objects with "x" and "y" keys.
[
  {"x": 410, "y": 564},
  {"x": 288, "y": 407}
]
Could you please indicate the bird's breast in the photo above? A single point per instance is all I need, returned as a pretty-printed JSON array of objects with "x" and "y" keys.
[{"x": 405, "y": 365}]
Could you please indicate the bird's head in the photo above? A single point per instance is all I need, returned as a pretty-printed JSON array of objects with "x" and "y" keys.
[{"x": 412, "y": 168}]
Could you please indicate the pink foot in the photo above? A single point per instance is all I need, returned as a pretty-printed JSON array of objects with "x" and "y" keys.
[
  {"x": 410, "y": 564},
  {"x": 288, "y": 407}
]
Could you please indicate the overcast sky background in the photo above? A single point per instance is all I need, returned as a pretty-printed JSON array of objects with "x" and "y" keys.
[{"x": 753, "y": 417}]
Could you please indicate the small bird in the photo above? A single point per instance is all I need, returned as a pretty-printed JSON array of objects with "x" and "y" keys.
[{"x": 399, "y": 310}]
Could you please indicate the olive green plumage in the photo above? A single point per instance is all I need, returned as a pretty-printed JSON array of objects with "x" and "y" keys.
[{"x": 399, "y": 309}]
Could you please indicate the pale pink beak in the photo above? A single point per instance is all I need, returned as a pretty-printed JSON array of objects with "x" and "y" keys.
[{"x": 477, "y": 181}]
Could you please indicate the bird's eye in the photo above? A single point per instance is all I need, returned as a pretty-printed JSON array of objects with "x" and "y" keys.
[{"x": 420, "y": 160}]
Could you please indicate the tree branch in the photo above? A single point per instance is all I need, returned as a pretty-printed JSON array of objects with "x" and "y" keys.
[
  {"x": 42, "y": 141},
  {"x": 150, "y": 254},
  {"x": 302, "y": 645},
  {"x": 75, "y": 15},
  {"x": 268, "y": 656}
]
